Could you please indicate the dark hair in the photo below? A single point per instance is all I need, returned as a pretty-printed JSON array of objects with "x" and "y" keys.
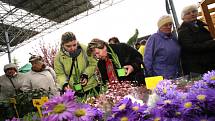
[
  {"x": 67, "y": 37},
  {"x": 35, "y": 58},
  {"x": 95, "y": 43},
  {"x": 114, "y": 39}
]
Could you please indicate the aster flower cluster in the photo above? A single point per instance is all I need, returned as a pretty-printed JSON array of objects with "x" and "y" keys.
[
  {"x": 65, "y": 107},
  {"x": 209, "y": 78},
  {"x": 166, "y": 89},
  {"x": 121, "y": 103},
  {"x": 197, "y": 104},
  {"x": 126, "y": 110},
  {"x": 165, "y": 110},
  {"x": 13, "y": 119}
]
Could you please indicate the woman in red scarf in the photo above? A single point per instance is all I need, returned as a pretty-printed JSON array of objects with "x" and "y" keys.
[{"x": 111, "y": 58}]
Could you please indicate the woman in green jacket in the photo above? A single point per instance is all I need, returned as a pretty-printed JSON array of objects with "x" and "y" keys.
[{"x": 74, "y": 68}]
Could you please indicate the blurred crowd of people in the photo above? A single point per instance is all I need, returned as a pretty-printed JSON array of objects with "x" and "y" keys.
[{"x": 75, "y": 65}]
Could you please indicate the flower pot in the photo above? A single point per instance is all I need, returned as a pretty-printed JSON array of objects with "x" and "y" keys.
[
  {"x": 77, "y": 87},
  {"x": 121, "y": 72}
]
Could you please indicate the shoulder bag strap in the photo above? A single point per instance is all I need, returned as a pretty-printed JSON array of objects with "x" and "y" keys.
[
  {"x": 70, "y": 73},
  {"x": 12, "y": 84}
]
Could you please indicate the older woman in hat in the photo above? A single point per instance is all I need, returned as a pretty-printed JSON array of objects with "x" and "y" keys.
[
  {"x": 40, "y": 76},
  {"x": 10, "y": 82},
  {"x": 197, "y": 44},
  {"x": 162, "y": 52}
]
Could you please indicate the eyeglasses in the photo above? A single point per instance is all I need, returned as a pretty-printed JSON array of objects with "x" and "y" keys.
[
  {"x": 192, "y": 12},
  {"x": 167, "y": 25}
]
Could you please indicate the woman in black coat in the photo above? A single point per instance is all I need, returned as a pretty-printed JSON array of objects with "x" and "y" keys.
[
  {"x": 197, "y": 44},
  {"x": 127, "y": 57}
]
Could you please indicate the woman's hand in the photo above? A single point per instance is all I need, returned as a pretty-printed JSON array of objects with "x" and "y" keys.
[
  {"x": 129, "y": 69},
  {"x": 84, "y": 82}
]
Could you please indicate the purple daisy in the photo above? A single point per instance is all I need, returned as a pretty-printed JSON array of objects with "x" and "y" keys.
[
  {"x": 169, "y": 109},
  {"x": 210, "y": 78},
  {"x": 69, "y": 95},
  {"x": 83, "y": 112},
  {"x": 98, "y": 114},
  {"x": 203, "y": 118},
  {"x": 127, "y": 116},
  {"x": 123, "y": 105},
  {"x": 155, "y": 114},
  {"x": 13, "y": 119},
  {"x": 204, "y": 99},
  {"x": 199, "y": 85},
  {"x": 138, "y": 107},
  {"x": 166, "y": 89},
  {"x": 58, "y": 108}
]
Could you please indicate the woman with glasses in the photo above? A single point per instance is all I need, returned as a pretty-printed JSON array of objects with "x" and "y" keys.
[
  {"x": 197, "y": 44},
  {"x": 119, "y": 66},
  {"x": 74, "y": 68},
  {"x": 162, "y": 52}
]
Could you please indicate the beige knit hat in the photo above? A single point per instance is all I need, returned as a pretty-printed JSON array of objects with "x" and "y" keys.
[
  {"x": 10, "y": 65},
  {"x": 163, "y": 20},
  {"x": 187, "y": 9}
]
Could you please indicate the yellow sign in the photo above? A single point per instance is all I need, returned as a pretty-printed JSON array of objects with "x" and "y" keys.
[
  {"x": 151, "y": 82},
  {"x": 44, "y": 99}
]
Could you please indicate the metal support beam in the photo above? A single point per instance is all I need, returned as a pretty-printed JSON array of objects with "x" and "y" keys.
[
  {"x": 8, "y": 46},
  {"x": 170, "y": 8}
]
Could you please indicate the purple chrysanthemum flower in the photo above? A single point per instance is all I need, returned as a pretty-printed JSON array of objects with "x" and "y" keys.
[
  {"x": 188, "y": 110},
  {"x": 98, "y": 114},
  {"x": 59, "y": 108},
  {"x": 204, "y": 100},
  {"x": 123, "y": 105},
  {"x": 155, "y": 114},
  {"x": 13, "y": 119},
  {"x": 169, "y": 109},
  {"x": 199, "y": 85},
  {"x": 203, "y": 118},
  {"x": 83, "y": 112},
  {"x": 69, "y": 95},
  {"x": 127, "y": 116},
  {"x": 199, "y": 102},
  {"x": 166, "y": 89},
  {"x": 124, "y": 116},
  {"x": 137, "y": 107},
  {"x": 210, "y": 78}
]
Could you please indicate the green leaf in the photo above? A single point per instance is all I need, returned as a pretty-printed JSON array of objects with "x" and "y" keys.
[{"x": 133, "y": 39}]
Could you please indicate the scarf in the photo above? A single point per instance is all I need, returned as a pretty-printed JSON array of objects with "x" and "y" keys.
[
  {"x": 112, "y": 78},
  {"x": 72, "y": 54}
]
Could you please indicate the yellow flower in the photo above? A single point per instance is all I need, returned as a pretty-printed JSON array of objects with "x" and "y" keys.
[
  {"x": 213, "y": 78},
  {"x": 157, "y": 119},
  {"x": 44, "y": 99},
  {"x": 122, "y": 107},
  {"x": 167, "y": 101},
  {"x": 80, "y": 112},
  {"x": 124, "y": 119},
  {"x": 164, "y": 90},
  {"x": 188, "y": 104},
  {"x": 178, "y": 113},
  {"x": 37, "y": 102},
  {"x": 59, "y": 108},
  {"x": 135, "y": 108},
  {"x": 201, "y": 97},
  {"x": 13, "y": 100}
]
